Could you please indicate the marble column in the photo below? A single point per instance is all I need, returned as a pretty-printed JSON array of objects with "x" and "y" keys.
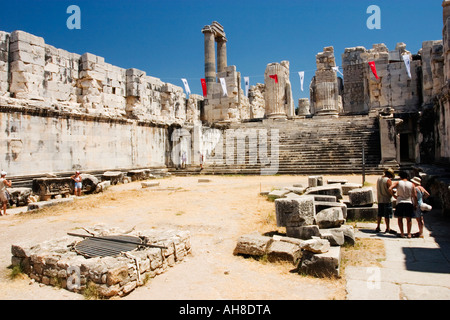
[
  {"x": 210, "y": 56},
  {"x": 221, "y": 54}
]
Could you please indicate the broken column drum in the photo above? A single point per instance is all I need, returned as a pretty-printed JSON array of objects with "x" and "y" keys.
[
  {"x": 325, "y": 87},
  {"x": 278, "y": 94}
]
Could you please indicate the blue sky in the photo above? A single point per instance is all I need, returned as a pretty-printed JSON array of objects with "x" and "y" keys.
[{"x": 164, "y": 37}]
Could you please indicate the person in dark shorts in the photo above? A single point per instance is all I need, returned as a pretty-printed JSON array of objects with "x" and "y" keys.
[
  {"x": 406, "y": 199},
  {"x": 384, "y": 199}
]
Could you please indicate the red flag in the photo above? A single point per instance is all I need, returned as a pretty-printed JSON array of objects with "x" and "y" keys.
[
  {"x": 274, "y": 76},
  {"x": 205, "y": 91},
  {"x": 374, "y": 69}
]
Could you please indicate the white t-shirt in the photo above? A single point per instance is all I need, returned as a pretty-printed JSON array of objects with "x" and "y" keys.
[{"x": 405, "y": 192}]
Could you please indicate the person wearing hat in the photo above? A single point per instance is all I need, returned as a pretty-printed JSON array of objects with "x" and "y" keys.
[
  {"x": 421, "y": 194},
  {"x": 3, "y": 198},
  {"x": 78, "y": 185},
  {"x": 384, "y": 199}
]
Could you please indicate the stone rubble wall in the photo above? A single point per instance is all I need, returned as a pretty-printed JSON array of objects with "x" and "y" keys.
[{"x": 53, "y": 262}]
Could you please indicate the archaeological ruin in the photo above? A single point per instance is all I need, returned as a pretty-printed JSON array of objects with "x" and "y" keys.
[{"x": 61, "y": 112}]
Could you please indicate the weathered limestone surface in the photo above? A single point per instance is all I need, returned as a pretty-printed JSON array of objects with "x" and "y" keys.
[
  {"x": 256, "y": 97},
  {"x": 325, "y": 88},
  {"x": 363, "y": 92},
  {"x": 36, "y": 144},
  {"x": 56, "y": 263},
  {"x": 361, "y": 197},
  {"x": 252, "y": 244},
  {"x": 303, "y": 107},
  {"x": 278, "y": 93},
  {"x": 295, "y": 212},
  {"x": 321, "y": 265},
  {"x": 330, "y": 218}
]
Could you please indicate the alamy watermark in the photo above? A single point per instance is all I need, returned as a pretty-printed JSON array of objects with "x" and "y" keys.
[
  {"x": 74, "y": 20},
  {"x": 374, "y": 278},
  {"x": 374, "y": 21}
]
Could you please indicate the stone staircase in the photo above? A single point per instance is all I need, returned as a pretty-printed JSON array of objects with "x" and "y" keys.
[{"x": 315, "y": 146}]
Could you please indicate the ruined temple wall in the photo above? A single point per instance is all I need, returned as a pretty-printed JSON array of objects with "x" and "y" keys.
[
  {"x": 4, "y": 64},
  {"x": 232, "y": 107},
  {"x": 432, "y": 73},
  {"x": 30, "y": 69},
  {"x": 363, "y": 92},
  {"x": 40, "y": 143}
]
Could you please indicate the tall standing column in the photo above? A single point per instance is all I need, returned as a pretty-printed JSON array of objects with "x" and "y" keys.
[
  {"x": 221, "y": 54},
  {"x": 210, "y": 56}
]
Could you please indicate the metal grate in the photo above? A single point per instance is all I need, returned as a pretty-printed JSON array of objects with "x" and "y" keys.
[{"x": 107, "y": 245}]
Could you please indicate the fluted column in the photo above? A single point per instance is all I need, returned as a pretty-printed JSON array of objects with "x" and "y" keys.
[
  {"x": 221, "y": 54},
  {"x": 210, "y": 56}
]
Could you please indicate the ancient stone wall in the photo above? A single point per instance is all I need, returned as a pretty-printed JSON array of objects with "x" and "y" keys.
[
  {"x": 84, "y": 84},
  {"x": 60, "y": 111},
  {"x": 50, "y": 142},
  {"x": 394, "y": 89},
  {"x": 229, "y": 106}
]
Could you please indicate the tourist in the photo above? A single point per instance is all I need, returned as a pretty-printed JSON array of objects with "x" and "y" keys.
[
  {"x": 183, "y": 160},
  {"x": 3, "y": 192},
  {"x": 418, "y": 213},
  {"x": 406, "y": 200},
  {"x": 201, "y": 161},
  {"x": 384, "y": 198},
  {"x": 77, "y": 178}
]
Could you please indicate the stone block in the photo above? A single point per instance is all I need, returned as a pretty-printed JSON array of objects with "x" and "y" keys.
[
  {"x": 295, "y": 212},
  {"x": 324, "y": 198},
  {"x": 315, "y": 181},
  {"x": 114, "y": 177},
  {"x": 19, "y": 35},
  {"x": 334, "y": 235},
  {"x": 349, "y": 234},
  {"x": 297, "y": 190},
  {"x": 43, "y": 204},
  {"x": 322, "y": 264},
  {"x": 362, "y": 213},
  {"x": 275, "y": 194},
  {"x": 329, "y": 190},
  {"x": 334, "y": 181},
  {"x": 303, "y": 232},
  {"x": 316, "y": 245},
  {"x": 252, "y": 244},
  {"x": 361, "y": 197},
  {"x": 149, "y": 184},
  {"x": 20, "y": 196},
  {"x": 350, "y": 186},
  {"x": 321, "y": 205},
  {"x": 330, "y": 218},
  {"x": 284, "y": 251}
]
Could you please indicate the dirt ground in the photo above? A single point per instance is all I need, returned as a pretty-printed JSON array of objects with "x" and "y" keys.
[{"x": 216, "y": 213}]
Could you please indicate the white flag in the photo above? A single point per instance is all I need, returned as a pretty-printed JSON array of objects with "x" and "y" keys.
[
  {"x": 224, "y": 87},
  {"x": 186, "y": 86},
  {"x": 302, "y": 78},
  {"x": 247, "y": 84},
  {"x": 336, "y": 69},
  {"x": 407, "y": 64}
]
